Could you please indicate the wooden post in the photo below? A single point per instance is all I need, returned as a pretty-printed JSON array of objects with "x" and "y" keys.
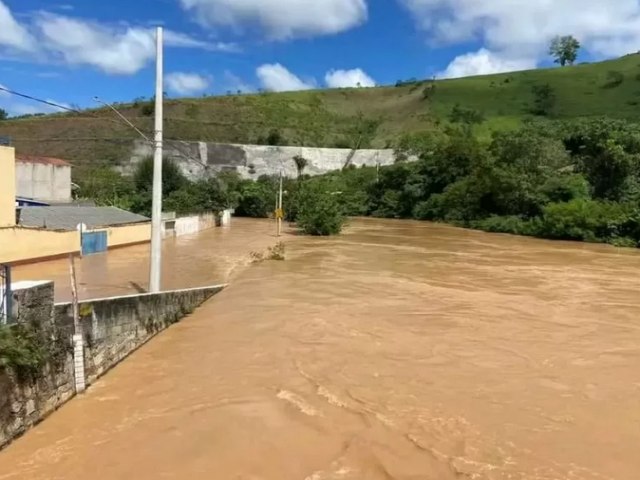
[{"x": 78, "y": 340}]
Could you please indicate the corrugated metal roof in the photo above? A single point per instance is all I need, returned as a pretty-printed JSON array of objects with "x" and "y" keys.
[
  {"x": 43, "y": 160},
  {"x": 68, "y": 218}
]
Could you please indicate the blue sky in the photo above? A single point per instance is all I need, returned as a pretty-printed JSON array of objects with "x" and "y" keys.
[{"x": 71, "y": 51}]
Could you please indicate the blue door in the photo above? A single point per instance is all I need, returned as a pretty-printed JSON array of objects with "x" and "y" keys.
[{"x": 94, "y": 242}]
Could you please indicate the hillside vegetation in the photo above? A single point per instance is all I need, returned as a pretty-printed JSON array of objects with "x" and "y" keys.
[{"x": 372, "y": 117}]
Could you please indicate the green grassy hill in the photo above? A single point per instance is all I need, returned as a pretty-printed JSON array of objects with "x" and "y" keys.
[{"x": 334, "y": 117}]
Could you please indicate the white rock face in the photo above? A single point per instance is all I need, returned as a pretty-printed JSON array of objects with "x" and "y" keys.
[{"x": 251, "y": 161}]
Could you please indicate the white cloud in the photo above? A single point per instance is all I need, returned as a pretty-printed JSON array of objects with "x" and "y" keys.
[
  {"x": 187, "y": 83},
  {"x": 522, "y": 29},
  {"x": 348, "y": 78},
  {"x": 281, "y": 19},
  {"x": 176, "y": 39},
  {"x": 120, "y": 52},
  {"x": 484, "y": 62},
  {"x": 276, "y": 78},
  {"x": 114, "y": 49},
  {"x": 12, "y": 34}
]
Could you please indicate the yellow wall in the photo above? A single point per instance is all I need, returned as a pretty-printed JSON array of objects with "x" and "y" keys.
[
  {"x": 19, "y": 244},
  {"x": 128, "y": 234},
  {"x": 7, "y": 187}
]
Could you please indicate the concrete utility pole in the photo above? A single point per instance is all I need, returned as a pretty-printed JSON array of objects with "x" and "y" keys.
[{"x": 156, "y": 210}]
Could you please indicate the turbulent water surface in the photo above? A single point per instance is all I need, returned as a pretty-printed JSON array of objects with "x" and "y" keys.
[{"x": 399, "y": 350}]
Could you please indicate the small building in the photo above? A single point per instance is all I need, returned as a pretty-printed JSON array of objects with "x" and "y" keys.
[
  {"x": 31, "y": 231},
  {"x": 44, "y": 179}
]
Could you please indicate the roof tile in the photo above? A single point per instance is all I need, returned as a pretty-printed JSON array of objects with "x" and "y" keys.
[
  {"x": 42, "y": 160},
  {"x": 68, "y": 218}
]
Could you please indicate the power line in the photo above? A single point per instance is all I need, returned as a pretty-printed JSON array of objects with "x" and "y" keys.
[{"x": 46, "y": 102}]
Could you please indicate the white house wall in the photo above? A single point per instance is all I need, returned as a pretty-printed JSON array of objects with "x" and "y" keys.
[{"x": 43, "y": 181}]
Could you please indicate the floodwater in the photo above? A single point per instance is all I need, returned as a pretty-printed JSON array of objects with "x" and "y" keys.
[
  {"x": 399, "y": 350},
  {"x": 207, "y": 258}
]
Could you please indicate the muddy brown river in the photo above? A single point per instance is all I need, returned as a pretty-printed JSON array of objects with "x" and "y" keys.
[{"x": 398, "y": 350}]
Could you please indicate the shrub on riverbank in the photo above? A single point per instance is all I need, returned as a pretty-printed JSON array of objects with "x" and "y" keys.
[{"x": 319, "y": 211}]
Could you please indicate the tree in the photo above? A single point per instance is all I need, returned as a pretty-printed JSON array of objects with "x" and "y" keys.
[
  {"x": 275, "y": 138},
  {"x": 172, "y": 177},
  {"x": 468, "y": 117},
  {"x": 3, "y": 114},
  {"x": 544, "y": 100},
  {"x": 564, "y": 49},
  {"x": 106, "y": 187},
  {"x": 301, "y": 164}
]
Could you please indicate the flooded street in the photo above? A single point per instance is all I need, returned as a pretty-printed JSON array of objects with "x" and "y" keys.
[
  {"x": 209, "y": 257},
  {"x": 398, "y": 350}
]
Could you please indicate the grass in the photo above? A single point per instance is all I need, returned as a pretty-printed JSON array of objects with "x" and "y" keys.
[{"x": 329, "y": 117}]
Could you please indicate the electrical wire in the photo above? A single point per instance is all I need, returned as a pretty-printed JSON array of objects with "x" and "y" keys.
[{"x": 46, "y": 102}]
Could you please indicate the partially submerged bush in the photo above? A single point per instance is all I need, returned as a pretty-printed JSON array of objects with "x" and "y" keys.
[{"x": 320, "y": 212}]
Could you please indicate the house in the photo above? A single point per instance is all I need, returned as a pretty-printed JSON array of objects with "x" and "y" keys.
[
  {"x": 43, "y": 179},
  {"x": 31, "y": 231}
]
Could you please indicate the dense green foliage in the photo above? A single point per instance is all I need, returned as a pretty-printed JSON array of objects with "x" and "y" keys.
[
  {"x": 107, "y": 187},
  {"x": 562, "y": 180},
  {"x": 314, "y": 204},
  {"x": 574, "y": 180},
  {"x": 25, "y": 349}
]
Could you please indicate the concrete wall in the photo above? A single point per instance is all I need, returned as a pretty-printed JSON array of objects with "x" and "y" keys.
[
  {"x": 251, "y": 161},
  {"x": 112, "y": 329},
  {"x": 180, "y": 226},
  {"x": 43, "y": 182},
  {"x": 7, "y": 188}
]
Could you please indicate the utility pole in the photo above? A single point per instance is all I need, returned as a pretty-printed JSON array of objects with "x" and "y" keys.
[
  {"x": 156, "y": 209},
  {"x": 280, "y": 206}
]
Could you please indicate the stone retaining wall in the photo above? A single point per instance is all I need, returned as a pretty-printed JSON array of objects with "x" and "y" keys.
[
  {"x": 115, "y": 327},
  {"x": 24, "y": 401},
  {"x": 112, "y": 328}
]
